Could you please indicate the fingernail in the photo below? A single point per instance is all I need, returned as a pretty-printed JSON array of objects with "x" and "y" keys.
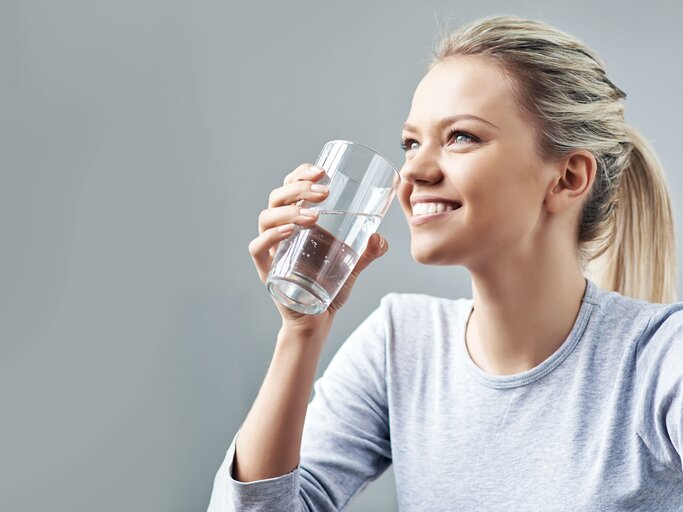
[
  {"x": 316, "y": 187},
  {"x": 308, "y": 212},
  {"x": 314, "y": 169},
  {"x": 285, "y": 228},
  {"x": 381, "y": 242}
]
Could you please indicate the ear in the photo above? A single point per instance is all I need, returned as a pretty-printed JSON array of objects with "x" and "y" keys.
[{"x": 571, "y": 182}]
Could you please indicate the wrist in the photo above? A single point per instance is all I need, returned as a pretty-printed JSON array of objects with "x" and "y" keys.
[{"x": 308, "y": 332}]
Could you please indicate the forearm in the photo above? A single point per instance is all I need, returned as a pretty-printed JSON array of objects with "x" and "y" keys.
[{"x": 269, "y": 441}]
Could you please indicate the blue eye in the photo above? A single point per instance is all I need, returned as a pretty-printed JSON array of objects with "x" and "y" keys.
[{"x": 461, "y": 137}]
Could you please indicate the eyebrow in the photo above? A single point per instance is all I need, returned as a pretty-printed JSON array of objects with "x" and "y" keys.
[{"x": 452, "y": 119}]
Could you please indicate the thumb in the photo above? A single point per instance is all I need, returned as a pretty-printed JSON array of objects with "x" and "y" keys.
[{"x": 376, "y": 248}]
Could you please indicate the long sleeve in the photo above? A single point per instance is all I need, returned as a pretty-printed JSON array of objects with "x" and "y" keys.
[
  {"x": 345, "y": 443},
  {"x": 660, "y": 389}
]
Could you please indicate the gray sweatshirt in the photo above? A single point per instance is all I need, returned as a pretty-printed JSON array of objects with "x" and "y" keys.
[{"x": 598, "y": 426}]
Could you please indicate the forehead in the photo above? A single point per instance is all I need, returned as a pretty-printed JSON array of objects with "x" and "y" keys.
[{"x": 463, "y": 85}]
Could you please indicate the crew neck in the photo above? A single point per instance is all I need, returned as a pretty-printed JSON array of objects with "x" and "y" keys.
[{"x": 588, "y": 302}]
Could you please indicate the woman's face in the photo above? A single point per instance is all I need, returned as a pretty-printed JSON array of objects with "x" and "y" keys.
[{"x": 468, "y": 146}]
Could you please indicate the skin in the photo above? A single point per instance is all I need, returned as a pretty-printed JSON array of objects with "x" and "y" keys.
[
  {"x": 514, "y": 232},
  {"x": 269, "y": 440},
  {"x": 516, "y": 229}
]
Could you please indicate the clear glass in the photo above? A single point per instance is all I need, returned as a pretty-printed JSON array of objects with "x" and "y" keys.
[{"x": 311, "y": 265}]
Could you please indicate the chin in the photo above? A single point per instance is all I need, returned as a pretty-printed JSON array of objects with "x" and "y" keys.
[{"x": 433, "y": 256}]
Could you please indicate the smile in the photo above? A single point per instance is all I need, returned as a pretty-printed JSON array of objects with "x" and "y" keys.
[
  {"x": 417, "y": 220},
  {"x": 423, "y": 208}
]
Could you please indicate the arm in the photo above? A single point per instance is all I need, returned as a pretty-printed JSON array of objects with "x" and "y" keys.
[
  {"x": 660, "y": 382},
  {"x": 270, "y": 437},
  {"x": 344, "y": 443}
]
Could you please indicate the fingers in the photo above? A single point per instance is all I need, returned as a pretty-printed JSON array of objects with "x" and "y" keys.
[
  {"x": 376, "y": 248},
  {"x": 297, "y": 189},
  {"x": 273, "y": 217},
  {"x": 282, "y": 216},
  {"x": 303, "y": 172},
  {"x": 260, "y": 247},
  {"x": 292, "y": 192}
]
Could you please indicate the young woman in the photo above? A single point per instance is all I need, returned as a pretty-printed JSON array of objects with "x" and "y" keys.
[{"x": 559, "y": 385}]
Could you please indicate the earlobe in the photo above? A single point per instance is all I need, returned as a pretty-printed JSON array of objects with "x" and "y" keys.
[{"x": 572, "y": 182}]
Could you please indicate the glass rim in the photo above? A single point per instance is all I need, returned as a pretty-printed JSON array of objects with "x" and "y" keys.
[{"x": 346, "y": 141}]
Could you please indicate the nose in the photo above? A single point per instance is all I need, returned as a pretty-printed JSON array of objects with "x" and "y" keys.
[{"x": 423, "y": 169}]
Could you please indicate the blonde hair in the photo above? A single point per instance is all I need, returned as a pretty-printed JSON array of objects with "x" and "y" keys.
[{"x": 625, "y": 238}]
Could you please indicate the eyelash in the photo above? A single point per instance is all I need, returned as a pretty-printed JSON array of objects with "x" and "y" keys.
[{"x": 406, "y": 143}]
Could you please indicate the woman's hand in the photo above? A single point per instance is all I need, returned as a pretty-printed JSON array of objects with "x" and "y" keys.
[{"x": 276, "y": 223}]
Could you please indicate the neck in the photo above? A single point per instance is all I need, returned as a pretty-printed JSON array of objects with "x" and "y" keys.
[{"x": 522, "y": 314}]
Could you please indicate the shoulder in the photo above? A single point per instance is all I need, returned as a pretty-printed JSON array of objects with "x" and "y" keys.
[
  {"x": 407, "y": 310},
  {"x": 661, "y": 343},
  {"x": 628, "y": 320},
  {"x": 651, "y": 333},
  {"x": 659, "y": 384},
  {"x": 402, "y": 325},
  {"x": 422, "y": 334},
  {"x": 422, "y": 327},
  {"x": 397, "y": 300}
]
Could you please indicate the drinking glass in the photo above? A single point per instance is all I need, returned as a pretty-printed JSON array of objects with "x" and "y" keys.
[{"x": 311, "y": 265}]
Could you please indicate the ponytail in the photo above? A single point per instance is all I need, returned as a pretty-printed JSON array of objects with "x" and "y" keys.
[
  {"x": 638, "y": 258},
  {"x": 625, "y": 236}
]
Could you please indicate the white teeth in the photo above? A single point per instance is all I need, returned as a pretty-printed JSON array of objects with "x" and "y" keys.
[{"x": 427, "y": 208}]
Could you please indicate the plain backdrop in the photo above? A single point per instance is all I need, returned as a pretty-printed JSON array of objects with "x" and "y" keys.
[{"x": 139, "y": 140}]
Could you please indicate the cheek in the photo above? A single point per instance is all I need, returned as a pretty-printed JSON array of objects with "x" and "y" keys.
[
  {"x": 501, "y": 193},
  {"x": 480, "y": 184},
  {"x": 403, "y": 195}
]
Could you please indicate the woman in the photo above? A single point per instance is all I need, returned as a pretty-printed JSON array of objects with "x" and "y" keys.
[{"x": 559, "y": 385}]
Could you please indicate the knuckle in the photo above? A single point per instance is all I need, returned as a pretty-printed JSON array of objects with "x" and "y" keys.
[
  {"x": 304, "y": 189},
  {"x": 252, "y": 246},
  {"x": 293, "y": 175},
  {"x": 304, "y": 168}
]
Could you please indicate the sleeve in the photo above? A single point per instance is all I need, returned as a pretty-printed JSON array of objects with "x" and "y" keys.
[
  {"x": 660, "y": 384},
  {"x": 345, "y": 443}
]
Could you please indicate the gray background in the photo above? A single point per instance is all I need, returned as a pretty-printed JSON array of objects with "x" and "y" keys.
[{"x": 138, "y": 142}]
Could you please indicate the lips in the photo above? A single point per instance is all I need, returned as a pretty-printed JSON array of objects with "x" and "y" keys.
[
  {"x": 428, "y": 208},
  {"x": 417, "y": 219},
  {"x": 424, "y": 204}
]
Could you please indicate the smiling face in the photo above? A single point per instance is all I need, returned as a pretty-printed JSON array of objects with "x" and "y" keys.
[{"x": 469, "y": 146}]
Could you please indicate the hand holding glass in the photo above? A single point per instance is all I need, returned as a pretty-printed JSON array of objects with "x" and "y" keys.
[{"x": 311, "y": 265}]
